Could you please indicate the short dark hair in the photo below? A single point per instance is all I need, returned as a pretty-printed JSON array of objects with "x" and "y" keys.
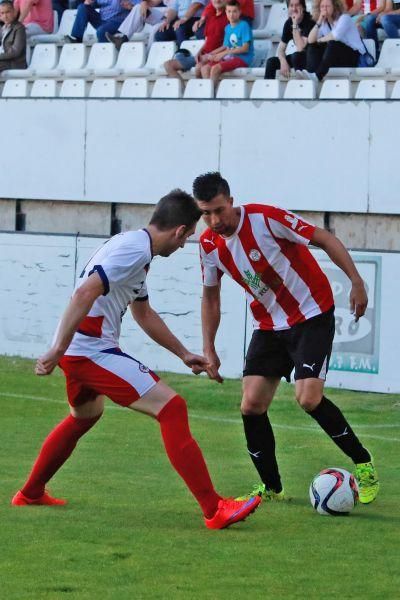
[
  {"x": 7, "y": 3},
  {"x": 174, "y": 209},
  {"x": 302, "y": 2},
  {"x": 233, "y": 3},
  {"x": 209, "y": 185}
]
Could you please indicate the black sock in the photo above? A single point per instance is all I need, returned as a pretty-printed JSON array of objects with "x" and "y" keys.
[
  {"x": 261, "y": 447},
  {"x": 332, "y": 421}
]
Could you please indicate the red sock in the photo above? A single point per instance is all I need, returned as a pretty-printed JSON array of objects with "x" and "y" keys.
[
  {"x": 185, "y": 455},
  {"x": 57, "y": 447}
]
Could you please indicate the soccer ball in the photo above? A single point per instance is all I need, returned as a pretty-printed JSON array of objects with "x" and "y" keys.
[{"x": 334, "y": 492}]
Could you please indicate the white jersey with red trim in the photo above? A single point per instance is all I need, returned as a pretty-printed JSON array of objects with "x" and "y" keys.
[
  {"x": 268, "y": 256},
  {"x": 122, "y": 263}
]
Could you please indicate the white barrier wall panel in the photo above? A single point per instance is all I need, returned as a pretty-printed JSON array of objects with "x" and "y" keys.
[
  {"x": 384, "y": 174},
  {"x": 299, "y": 155},
  {"x": 36, "y": 280},
  {"x": 137, "y": 152},
  {"x": 45, "y": 155}
]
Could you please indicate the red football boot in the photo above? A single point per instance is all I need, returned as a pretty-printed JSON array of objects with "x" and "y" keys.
[
  {"x": 44, "y": 500},
  {"x": 231, "y": 511}
]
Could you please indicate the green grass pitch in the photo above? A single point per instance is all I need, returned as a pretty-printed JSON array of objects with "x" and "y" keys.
[{"x": 131, "y": 530}]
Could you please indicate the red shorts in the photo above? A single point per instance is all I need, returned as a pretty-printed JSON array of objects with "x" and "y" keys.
[
  {"x": 110, "y": 372},
  {"x": 230, "y": 64}
]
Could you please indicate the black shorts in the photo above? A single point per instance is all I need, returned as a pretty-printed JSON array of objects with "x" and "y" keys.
[{"x": 306, "y": 347}]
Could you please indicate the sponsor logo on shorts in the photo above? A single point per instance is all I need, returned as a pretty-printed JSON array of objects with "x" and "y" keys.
[{"x": 143, "y": 368}]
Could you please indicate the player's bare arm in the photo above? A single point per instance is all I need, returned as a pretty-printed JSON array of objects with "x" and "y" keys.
[
  {"x": 152, "y": 324},
  {"x": 210, "y": 318},
  {"x": 79, "y": 306},
  {"x": 339, "y": 255}
]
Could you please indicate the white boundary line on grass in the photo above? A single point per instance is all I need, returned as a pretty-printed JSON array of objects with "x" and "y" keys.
[{"x": 223, "y": 419}]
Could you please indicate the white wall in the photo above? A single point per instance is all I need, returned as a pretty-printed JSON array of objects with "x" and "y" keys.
[
  {"x": 319, "y": 156},
  {"x": 37, "y": 275}
]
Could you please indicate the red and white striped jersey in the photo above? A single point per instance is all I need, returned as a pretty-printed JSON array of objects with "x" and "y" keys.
[
  {"x": 268, "y": 256},
  {"x": 122, "y": 263}
]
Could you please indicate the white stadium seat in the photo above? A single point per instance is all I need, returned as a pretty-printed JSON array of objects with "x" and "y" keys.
[
  {"x": 167, "y": 88},
  {"x": 102, "y": 56},
  {"x": 371, "y": 89},
  {"x": 335, "y": 89},
  {"x": 44, "y": 88},
  {"x": 389, "y": 61},
  {"x": 135, "y": 87},
  {"x": 159, "y": 52},
  {"x": 297, "y": 89},
  {"x": 103, "y": 88},
  {"x": 15, "y": 88},
  {"x": 131, "y": 57},
  {"x": 90, "y": 37},
  {"x": 396, "y": 91},
  {"x": 259, "y": 16},
  {"x": 199, "y": 88},
  {"x": 65, "y": 28},
  {"x": 44, "y": 56},
  {"x": 266, "y": 89},
  {"x": 73, "y": 57},
  {"x": 192, "y": 45},
  {"x": 274, "y": 23},
  {"x": 73, "y": 88},
  {"x": 232, "y": 89}
]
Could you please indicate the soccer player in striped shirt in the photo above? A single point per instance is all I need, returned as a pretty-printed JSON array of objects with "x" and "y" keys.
[
  {"x": 86, "y": 347},
  {"x": 264, "y": 249}
]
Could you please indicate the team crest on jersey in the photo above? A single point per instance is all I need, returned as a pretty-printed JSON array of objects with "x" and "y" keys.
[
  {"x": 143, "y": 368},
  {"x": 254, "y": 255}
]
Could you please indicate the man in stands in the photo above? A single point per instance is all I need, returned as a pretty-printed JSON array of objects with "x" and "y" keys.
[
  {"x": 12, "y": 38},
  {"x": 295, "y": 30},
  {"x": 36, "y": 15},
  {"x": 237, "y": 50},
  {"x": 264, "y": 249},
  {"x": 214, "y": 32},
  {"x": 110, "y": 17},
  {"x": 86, "y": 347},
  {"x": 179, "y": 20},
  {"x": 151, "y": 12}
]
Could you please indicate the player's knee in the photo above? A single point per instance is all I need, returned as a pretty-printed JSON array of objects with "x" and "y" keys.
[
  {"x": 307, "y": 400},
  {"x": 176, "y": 408},
  {"x": 252, "y": 404}
]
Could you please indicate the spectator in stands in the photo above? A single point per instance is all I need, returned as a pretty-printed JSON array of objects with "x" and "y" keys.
[
  {"x": 215, "y": 24},
  {"x": 334, "y": 41},
  {"x": 110, "y": 17},
  {"x": 295, "y": 30},
  {"x": 246, "y": 12},
  {"x": 147, "y": 11},
  {"x": 386, "y": 16},
  {"x": 179, "y": 20},
  {"x": 36, "y": 15},
  {"x": 12, "y": 38},
  {"x": 237, "y": 50}
]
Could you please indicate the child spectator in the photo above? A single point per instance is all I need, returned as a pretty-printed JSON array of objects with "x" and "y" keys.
[
  {"x": 237, "y": 50},
  {"x": 216, "y": 22},
  {"x": 12, "y": 38}
]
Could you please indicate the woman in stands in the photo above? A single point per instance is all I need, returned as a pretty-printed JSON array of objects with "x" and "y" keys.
[{"x": 334, "y": 41}]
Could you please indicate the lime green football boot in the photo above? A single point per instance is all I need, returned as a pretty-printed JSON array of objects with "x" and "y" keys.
[
  {"x": 268, "y": 495},
  {"x": 368, "y": 482}
]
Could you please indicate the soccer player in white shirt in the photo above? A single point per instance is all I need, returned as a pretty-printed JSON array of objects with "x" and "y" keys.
[
  {"x": 264, "y": 249},
  {"x": 86, "y": 347}
]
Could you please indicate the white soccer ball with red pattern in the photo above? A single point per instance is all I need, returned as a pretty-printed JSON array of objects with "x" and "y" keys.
[{"x": 334, "y": 492}]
